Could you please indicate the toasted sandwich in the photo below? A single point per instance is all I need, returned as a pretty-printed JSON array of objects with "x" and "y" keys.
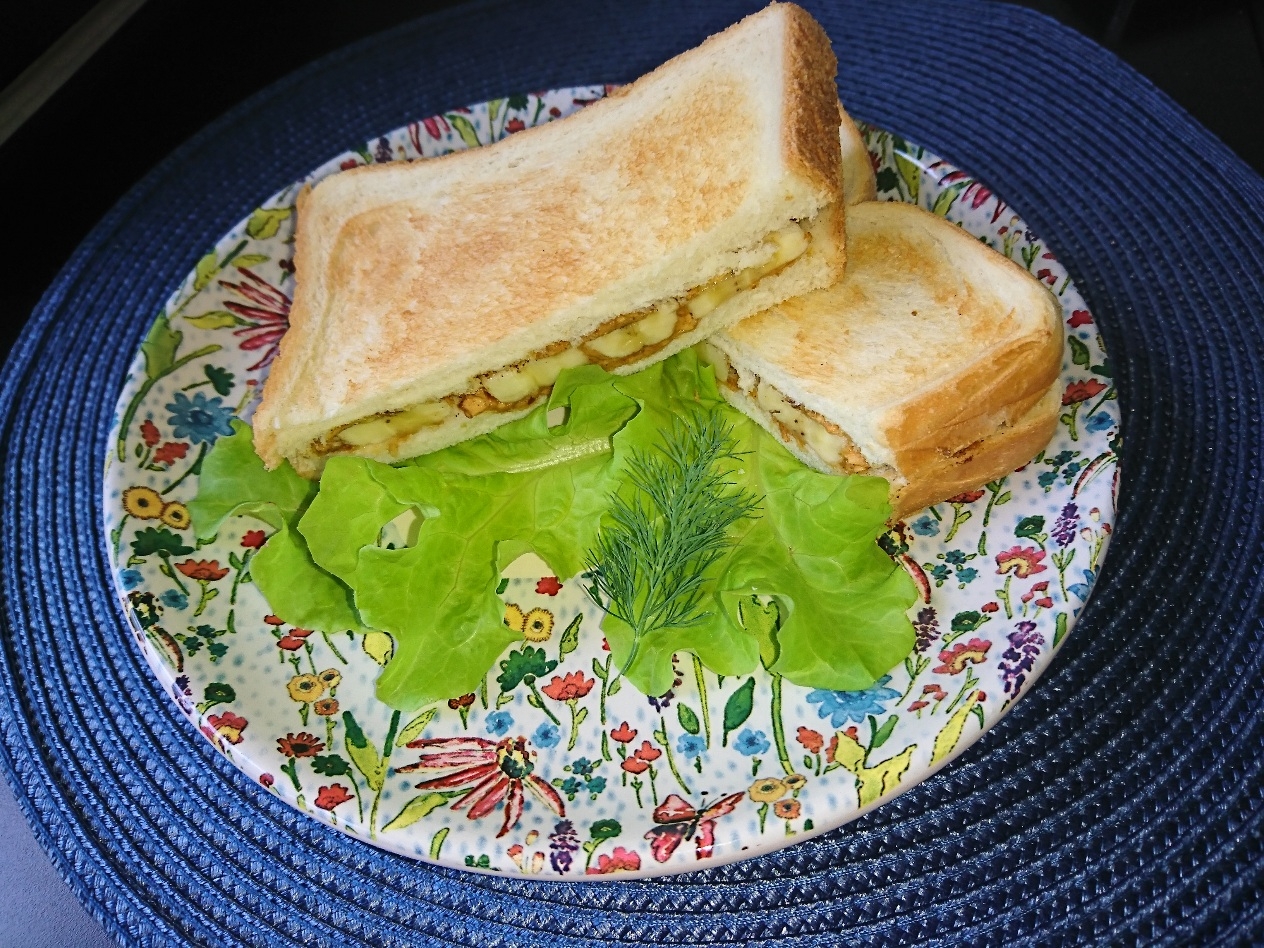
[
  {"x": 438, "y": 299},
  {"x": 859, "y": 181},
  {"x": 933, "y": 363}
]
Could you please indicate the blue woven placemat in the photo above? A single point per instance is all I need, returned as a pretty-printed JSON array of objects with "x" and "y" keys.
[{"x": 1121, "y": 801}]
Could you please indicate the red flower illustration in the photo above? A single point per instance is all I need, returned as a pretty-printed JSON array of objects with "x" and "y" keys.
[
  {"x": 490, "y": 771},
  {"x": 1047, "y": 276},
  {"x": 329, "y": 797},
  {"x": 274, "y": 620},
  {"x": 832, "y": 749},
  {"x": 149, "y": 432},
  {"x": 1082, "y": 391},
  {"x": 208, "y": 570},
  {"x": 267, "y": 779},
  {"x": 253, "y": 539},
  {"x": 968, "y": 497},
  {"x": 514, "y": 125},
  {"x": 634, "y": 765},
  {"x": 348, "y": 164},
  {"x": 462, "y": 702},
  {"x": 171, "y": 452},
  {"x": 300, "y": 745},
  {"x": 1023, "y": 561},
  {"x": 621, "y": 860},
  {"x": 623, "y": 734},
  {"x": 294, "y": 641},
  {"x": 268, "y": 310},
  {"x": 1038, "y": 588},
  {"x": 1081, "y": 317},
  {"x": 228, "y": 726},
  {"x": 810, "y": 739},
  {"x": 1045, "y": 603},
  {"x": 648, "y": 752},
  {"x": 570, "y": 688},
  {"x": 918, "y": 705},
  {"x": 548, "y": 586},
  {"x": 935, "y": 692},
  {"x": 989, "y": 607},
  {"x": 961, "y": 654}
]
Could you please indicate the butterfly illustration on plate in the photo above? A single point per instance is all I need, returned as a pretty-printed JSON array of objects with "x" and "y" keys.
[{"x": 679, "y": 821}]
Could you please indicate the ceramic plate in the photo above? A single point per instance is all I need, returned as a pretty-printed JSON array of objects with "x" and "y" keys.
[{"x": 599, "y": 780}]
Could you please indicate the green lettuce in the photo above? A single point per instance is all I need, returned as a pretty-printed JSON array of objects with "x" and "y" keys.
[
  {"x": 812, "y": 549},
  {"x": 532, "y": 487}
]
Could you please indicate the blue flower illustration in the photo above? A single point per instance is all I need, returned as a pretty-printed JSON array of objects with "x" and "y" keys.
[
  {"x": 596, "y": 785},
  {"x": 1047, "y": 479},
  {"x": 129, "y": 579},
  {"x": 546, "y": 735},
  {"x": 499, "y": 722},
  {"x": 925, "y": 526},
  {"x": 1099, "y": 422},
  {"x": 571, "y": 786},
  {"x": 690, "y": 746},
  {"x": 199, "y": 419},
  {"x": 751, "y": 742},
  {"x": 954, "y": 557},
  {"x": 967, "y": 574},
  {"x": 843, "y": 706},
  {"x": 174, "y": 599},
  {"x": 583, "y": 767}
]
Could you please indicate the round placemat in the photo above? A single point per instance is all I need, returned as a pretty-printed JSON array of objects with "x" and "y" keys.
[{"x": 1120, "y": 801}]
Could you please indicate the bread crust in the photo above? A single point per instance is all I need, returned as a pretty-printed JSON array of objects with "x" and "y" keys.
[{"x": 812, "y": 145}]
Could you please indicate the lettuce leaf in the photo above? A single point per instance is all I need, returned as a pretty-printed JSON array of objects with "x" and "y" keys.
[
  {"x": 234, "y": 483},
  {"x": 813, "y": 549},
  {"x": 524, "y": 487}
]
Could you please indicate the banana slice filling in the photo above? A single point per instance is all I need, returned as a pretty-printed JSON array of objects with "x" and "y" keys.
[
  {"x": 620, "y": 341},
  {"x": 795, "y": 424}
]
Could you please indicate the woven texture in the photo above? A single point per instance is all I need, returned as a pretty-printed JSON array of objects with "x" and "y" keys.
[{"x": 1120, "y": 802}]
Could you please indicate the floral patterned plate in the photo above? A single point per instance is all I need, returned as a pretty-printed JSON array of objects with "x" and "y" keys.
[{"x": 553, "y": 767}]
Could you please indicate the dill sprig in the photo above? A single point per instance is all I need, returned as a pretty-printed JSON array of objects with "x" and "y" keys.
[{"x": 649, "y": 563}]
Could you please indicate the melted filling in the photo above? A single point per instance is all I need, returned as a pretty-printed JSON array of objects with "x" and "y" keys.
[
  {"x": 617, "y": 342},
  {"x": 809, "y": 430}
]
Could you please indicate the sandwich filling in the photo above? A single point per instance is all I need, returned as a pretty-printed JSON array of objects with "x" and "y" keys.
[
  {"x": 617, "y": 342},
  {"x": 812, "y": 432}
]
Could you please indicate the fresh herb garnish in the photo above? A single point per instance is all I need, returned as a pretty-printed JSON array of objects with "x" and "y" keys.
[{"x": 649, "y": 563}]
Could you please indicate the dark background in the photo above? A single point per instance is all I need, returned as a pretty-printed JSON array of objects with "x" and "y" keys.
[{"x": 174, "y": 67}]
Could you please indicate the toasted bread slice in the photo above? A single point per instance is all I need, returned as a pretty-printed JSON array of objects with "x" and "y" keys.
[
  {"x": 438, "y": 299},
  {"x": 933, "y": 363}
]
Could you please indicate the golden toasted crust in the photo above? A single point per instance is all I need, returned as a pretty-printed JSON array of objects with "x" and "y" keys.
[
  {"x": 811, "y": 95},
  {"x": 939, "y": 475},
  {"x": 413, "y": 278}
]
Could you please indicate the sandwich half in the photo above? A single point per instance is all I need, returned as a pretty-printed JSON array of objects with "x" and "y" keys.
[
  {"x": 860, "y": 183},
  {"x": 934, "y": 363},
  {"x": 438, "y": 299}
]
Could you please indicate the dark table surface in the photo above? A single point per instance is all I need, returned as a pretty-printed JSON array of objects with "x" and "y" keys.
[{"x": 172, "y": 68}]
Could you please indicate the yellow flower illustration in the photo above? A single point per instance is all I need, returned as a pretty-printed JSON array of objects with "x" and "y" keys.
[
  {"x": 175, "y": 514},
  {"x": 514, "y": 617},
  {"x": 305, "y": 688},
  {"x": 538, "y": 625},
  {"x": 787, "y": 809},
  {"x": 143, "y": 503},
  {"x": 795, "y": 781},
  {"x": 768, "y": 790},
  {"x": 330, "y": 678},
  {"x": 326, "y": 707}
]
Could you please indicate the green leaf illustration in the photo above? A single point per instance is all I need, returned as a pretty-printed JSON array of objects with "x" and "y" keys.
[
  {"x": 412, "y": 730},
  {"x": 967, "y": 621},
  {"x": 887, "y": 180},
  {"x": 517, "y": 102},
  {"x": 911, "y": 172},
  {"x": 738, "y": 708},
  {"x": 688, "y": 719},
  {"x": 762, "y": 620},
  {"x": 363, "y": 754},
  {"x": 415, "y": 809},
  {"x": 221, "y": 379},
  {"x": 881, "y": 734},
  {"x": 205, "y": 271},
  {"x": 266, "y": 221},
  {"x": 436, "y": 843},
  {"x": 570, "y": 638},
  {"x": 1030, "y": 527},
  {"x": 331, "y": 765},
  {"x": 1079, "y": 351},
  {"x": 249, "y": 260},
  {"x": 946, "y": 199},
  {"x": 465, "y": 128},
  {"x": 153, "y": 540},
  {"x": 216, "y": 319},
  {"x": 160, "y": 347}
]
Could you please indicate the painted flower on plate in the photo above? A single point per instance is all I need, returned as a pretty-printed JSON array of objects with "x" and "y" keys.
[
  {"x": 200, "y": 419},
  {"x": 843, "y": 706}
]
